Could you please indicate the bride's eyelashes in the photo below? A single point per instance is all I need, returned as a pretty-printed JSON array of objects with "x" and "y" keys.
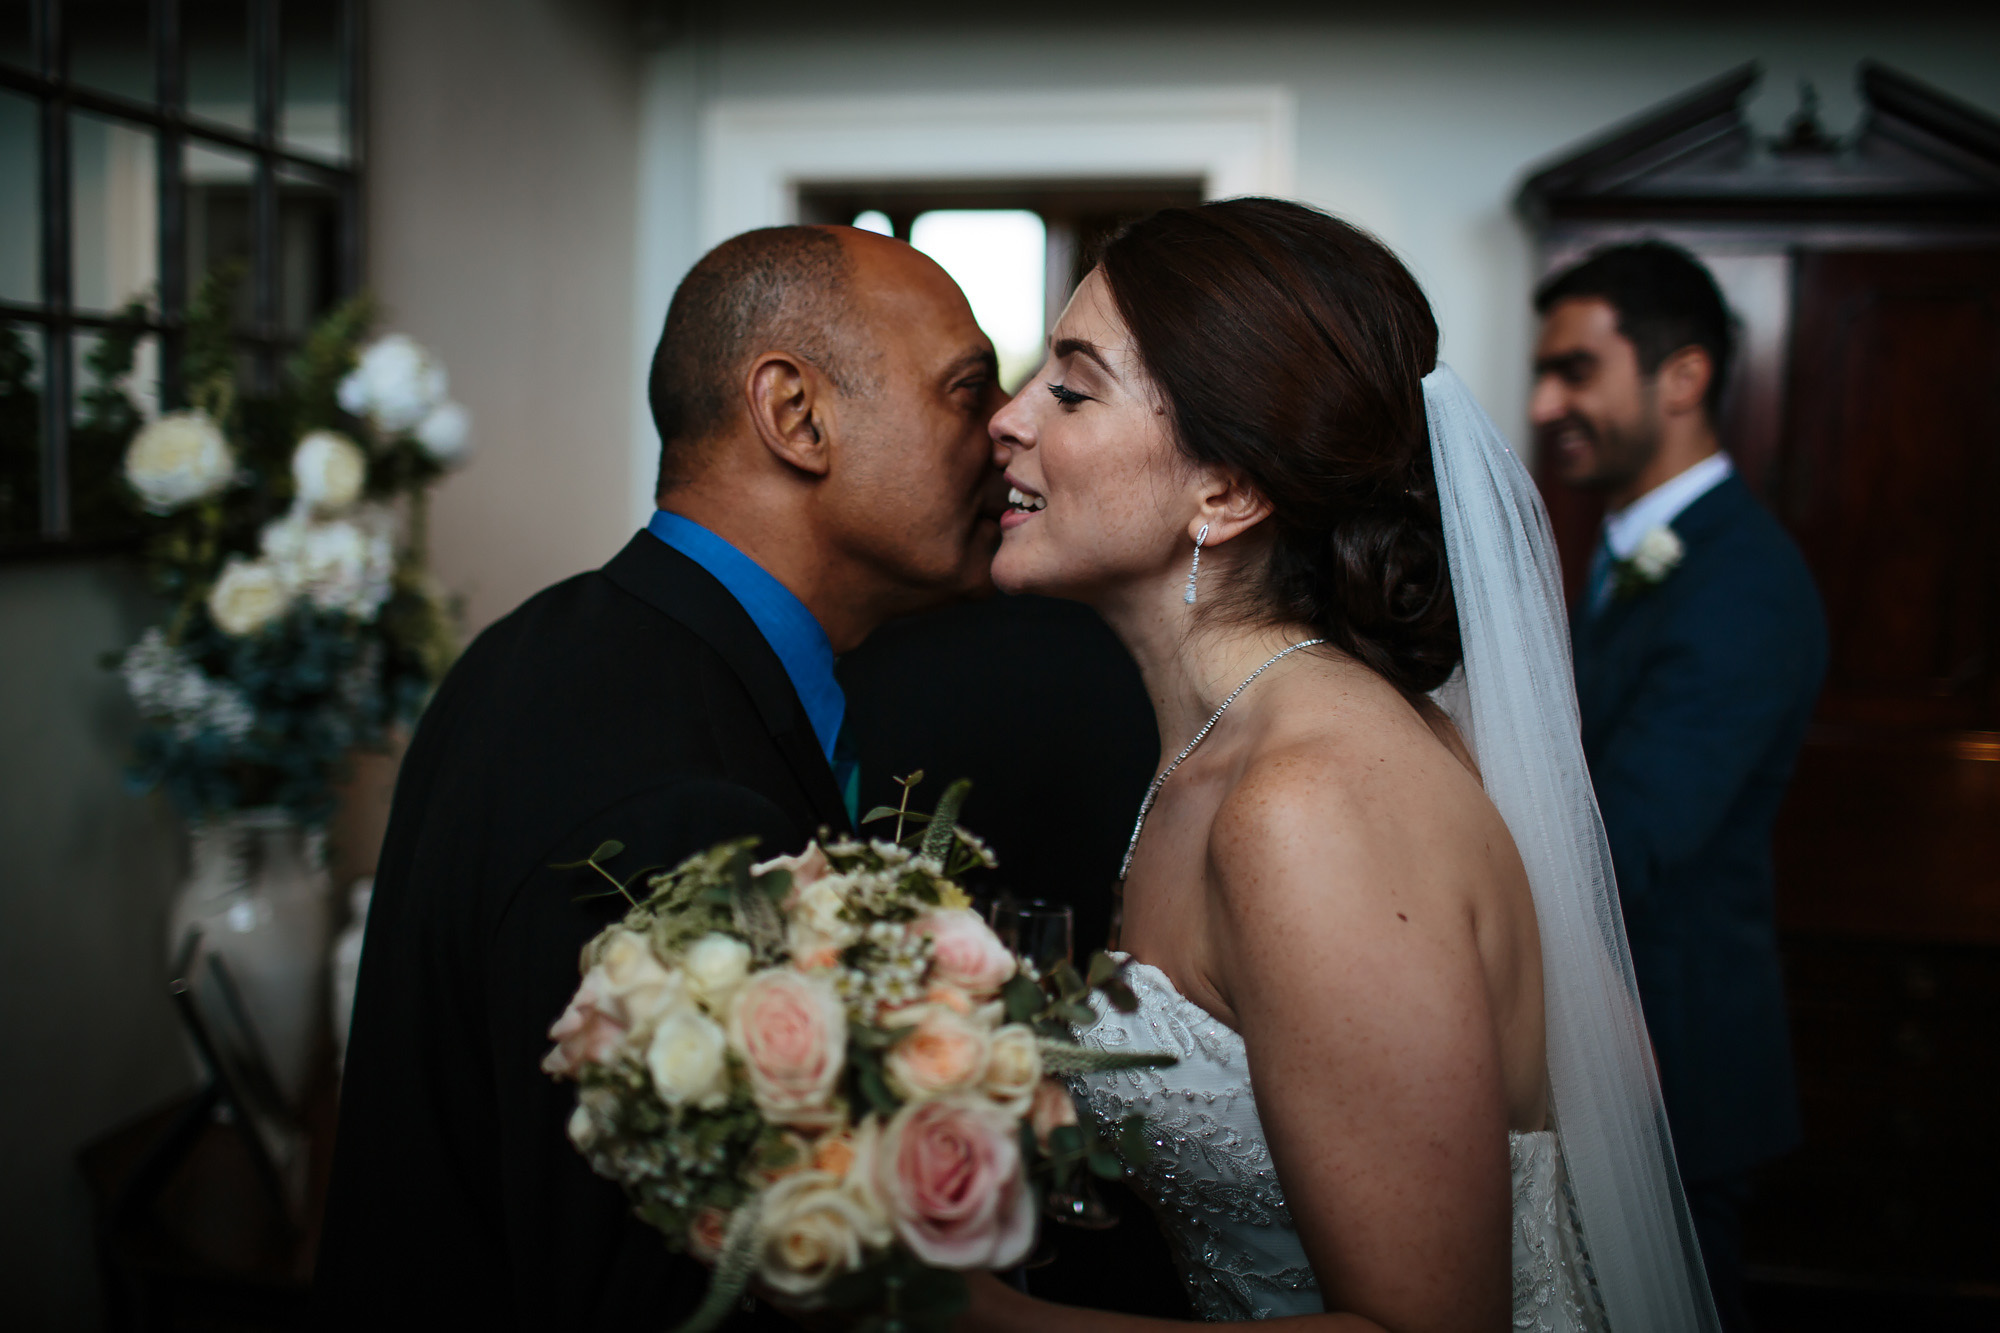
[{"x": 1068, "y": 397}]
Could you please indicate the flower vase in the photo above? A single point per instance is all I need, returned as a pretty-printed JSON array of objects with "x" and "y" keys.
[{"x": 259, "y": 892}]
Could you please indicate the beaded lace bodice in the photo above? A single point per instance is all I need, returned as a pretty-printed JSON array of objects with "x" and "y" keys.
[{"x": 1216, "y": 1194}]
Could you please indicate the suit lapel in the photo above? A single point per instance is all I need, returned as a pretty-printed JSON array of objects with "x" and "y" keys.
[
  {"x": 676, "y": 586},
  {"x": 1606, "y": 656}
]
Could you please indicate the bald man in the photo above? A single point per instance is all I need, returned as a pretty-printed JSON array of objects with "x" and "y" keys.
[{"x": 822, "y": 397}]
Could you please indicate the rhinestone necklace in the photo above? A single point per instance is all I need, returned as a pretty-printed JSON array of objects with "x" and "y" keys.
[{"x": 1153, "y": 792}]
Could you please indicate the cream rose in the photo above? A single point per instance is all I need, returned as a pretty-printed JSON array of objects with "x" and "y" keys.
[
  {"x": 442, "y": 433},
  {"x": 249, "y": 595},
  {"x": 811, "y": 1233},
  {"x": 642, "y": 985},
  {"x": 328, "y": 471},
  {"x": 965, "y": 952},
  {"x": 177, "y": 460},
  {"x": 394, "y": 383},
  {"x": 951, "y": 1171},
  {"x": 790, "y": 1029},
  {"x": 1013, "y": 1068},
  {"x": 945, "y": 1053},
  {"x": 1052, "y": 1109},
  {"x": 343, "y": 564},
  {"x": 688, "y": 1058},
  {"x": 716, "y": 966},
  {"x": 817, "y": 922}
]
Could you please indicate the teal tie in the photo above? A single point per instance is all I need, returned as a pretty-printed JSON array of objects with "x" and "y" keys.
[
  {"x": 847, "y": 775},
  {"x": 1598, "y": 585}
]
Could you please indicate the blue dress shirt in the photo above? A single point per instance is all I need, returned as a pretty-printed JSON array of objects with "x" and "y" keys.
[{"x": 792, "y": 631}]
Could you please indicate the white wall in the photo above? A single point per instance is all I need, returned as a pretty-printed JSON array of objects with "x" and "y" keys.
[
  {"x": 502, "y": 168},
  {"x": 1421, "y": 134}
]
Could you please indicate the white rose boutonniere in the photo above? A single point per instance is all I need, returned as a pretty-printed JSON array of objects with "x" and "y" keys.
[{"x": 1657, "y": 555}]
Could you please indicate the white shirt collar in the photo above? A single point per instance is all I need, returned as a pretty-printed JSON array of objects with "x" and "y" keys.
[{"x": 1663, "y": 504}]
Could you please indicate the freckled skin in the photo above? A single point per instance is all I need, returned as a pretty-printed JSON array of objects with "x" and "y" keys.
[{"x": 1324, "y": 874}]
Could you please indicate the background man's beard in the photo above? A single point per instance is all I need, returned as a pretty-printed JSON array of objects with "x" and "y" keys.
[{"x": 1616, "y": 456}]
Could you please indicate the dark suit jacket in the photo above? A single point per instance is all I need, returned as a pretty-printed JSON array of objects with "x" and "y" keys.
[
  {"x": 639, "y": 703},
  {"x": 1695, "y": 696}
]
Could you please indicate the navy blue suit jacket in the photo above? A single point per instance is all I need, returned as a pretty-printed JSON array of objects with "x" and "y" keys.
[{"x": 1695, "y": 695}]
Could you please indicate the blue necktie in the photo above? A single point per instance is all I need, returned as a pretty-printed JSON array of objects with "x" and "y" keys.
[{"x": 1598, "y": 584}]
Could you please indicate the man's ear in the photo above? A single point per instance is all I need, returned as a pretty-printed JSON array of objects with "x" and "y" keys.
[
  {"x": 1229, "y": 505},
  {"x": 786, "y": 398},
  {"x": 1683, "y": 380}
]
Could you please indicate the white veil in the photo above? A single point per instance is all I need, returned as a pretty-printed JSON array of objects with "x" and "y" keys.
[{"x": 1517, "y": 693}]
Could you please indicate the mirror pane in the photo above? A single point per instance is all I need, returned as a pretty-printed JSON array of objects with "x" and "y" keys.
[
  {"x": 308, "y": 250},
  {"x": 114, "y": 220},
  {"x": 20, "y": 200},
  {"x": 20, "y": 431},
  {"x": 111, "y": 46},
  {"x": 117, "y": 389},
  {"x": 17, "y": 33},
  {"x": 216, "y": 37},
  {"x": 220, "y": 226},
  {"x": 312, "y": 119}
]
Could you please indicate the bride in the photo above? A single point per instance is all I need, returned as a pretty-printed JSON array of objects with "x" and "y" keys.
[{"x": 1367, "y": 898}]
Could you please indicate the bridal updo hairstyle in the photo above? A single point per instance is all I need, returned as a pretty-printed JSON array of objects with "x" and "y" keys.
[{"x": 1291, "y": 348}]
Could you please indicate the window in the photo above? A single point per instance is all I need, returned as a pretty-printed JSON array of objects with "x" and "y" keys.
[
  {"x": 144, "y": 144},
  {"x": 1016, "y": 249}
]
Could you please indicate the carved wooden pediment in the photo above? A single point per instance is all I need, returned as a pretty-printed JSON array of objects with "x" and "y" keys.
[{"x": 1918, "y": 154}]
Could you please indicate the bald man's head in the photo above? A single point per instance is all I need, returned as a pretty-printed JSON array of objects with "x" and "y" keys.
[{"x": 777, "y": 288}]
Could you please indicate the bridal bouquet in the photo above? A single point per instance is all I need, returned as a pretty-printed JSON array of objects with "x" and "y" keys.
[
  {"x": 286, "y": 531},
  {"x": 825, "y": 1073}
]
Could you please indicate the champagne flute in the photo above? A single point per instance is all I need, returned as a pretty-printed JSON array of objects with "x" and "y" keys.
[{"x": 1044, "y": 933}]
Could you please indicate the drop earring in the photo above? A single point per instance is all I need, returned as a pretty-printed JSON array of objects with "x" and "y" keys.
[{"x": 1195, "y": 568}]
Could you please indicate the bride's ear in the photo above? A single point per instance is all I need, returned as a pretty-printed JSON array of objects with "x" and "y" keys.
[{"x": 1229, "y": 506}]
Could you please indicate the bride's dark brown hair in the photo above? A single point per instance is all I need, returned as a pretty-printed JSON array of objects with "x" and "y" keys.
[{"x": 1291, "y": 348}]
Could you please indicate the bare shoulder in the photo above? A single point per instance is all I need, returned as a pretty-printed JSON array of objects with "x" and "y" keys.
[{"x": 1367, "y": 803}]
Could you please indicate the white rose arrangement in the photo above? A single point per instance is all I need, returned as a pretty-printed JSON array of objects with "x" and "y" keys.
[
  {"x": 825, "y": 1074},
  {"x": 288, "y": 533}
]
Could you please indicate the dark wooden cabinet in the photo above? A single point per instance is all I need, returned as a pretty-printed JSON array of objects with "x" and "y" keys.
[{"x": 1865, "y": 411}]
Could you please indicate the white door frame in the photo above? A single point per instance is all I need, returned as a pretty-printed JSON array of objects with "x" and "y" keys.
[
  {"x": 757, "y": 152},
  {"x": 751, "y": 155}
]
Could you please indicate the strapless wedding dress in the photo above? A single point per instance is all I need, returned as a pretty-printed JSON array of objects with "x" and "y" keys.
[{"x": 1211, "y": 1185}]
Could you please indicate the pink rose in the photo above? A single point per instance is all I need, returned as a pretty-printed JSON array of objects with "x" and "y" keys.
[
  {"x": 806, "y": 867},
  {"x": 790, "y": 1030},
  {"x": 965, "y": 953},
  {"x": 951, "y": 1172},
  {"x": 706, "y": 1234},
  {"x": 624, "y": 994},
  {"x": 946, "y": 1053},
  {"x": 589, "y": 1030},
  {"x": 1051, "y": 1109}
]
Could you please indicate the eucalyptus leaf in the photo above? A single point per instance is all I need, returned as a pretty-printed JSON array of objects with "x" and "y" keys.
[
  {"x": 1106, "y": 1166},
  {"x": 1023, "y": 998},
  {"x": 1066, "y": 1141}
]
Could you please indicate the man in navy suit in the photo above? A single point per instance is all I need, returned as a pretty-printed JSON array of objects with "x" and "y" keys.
[{"x": 1700, "y": 647}]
